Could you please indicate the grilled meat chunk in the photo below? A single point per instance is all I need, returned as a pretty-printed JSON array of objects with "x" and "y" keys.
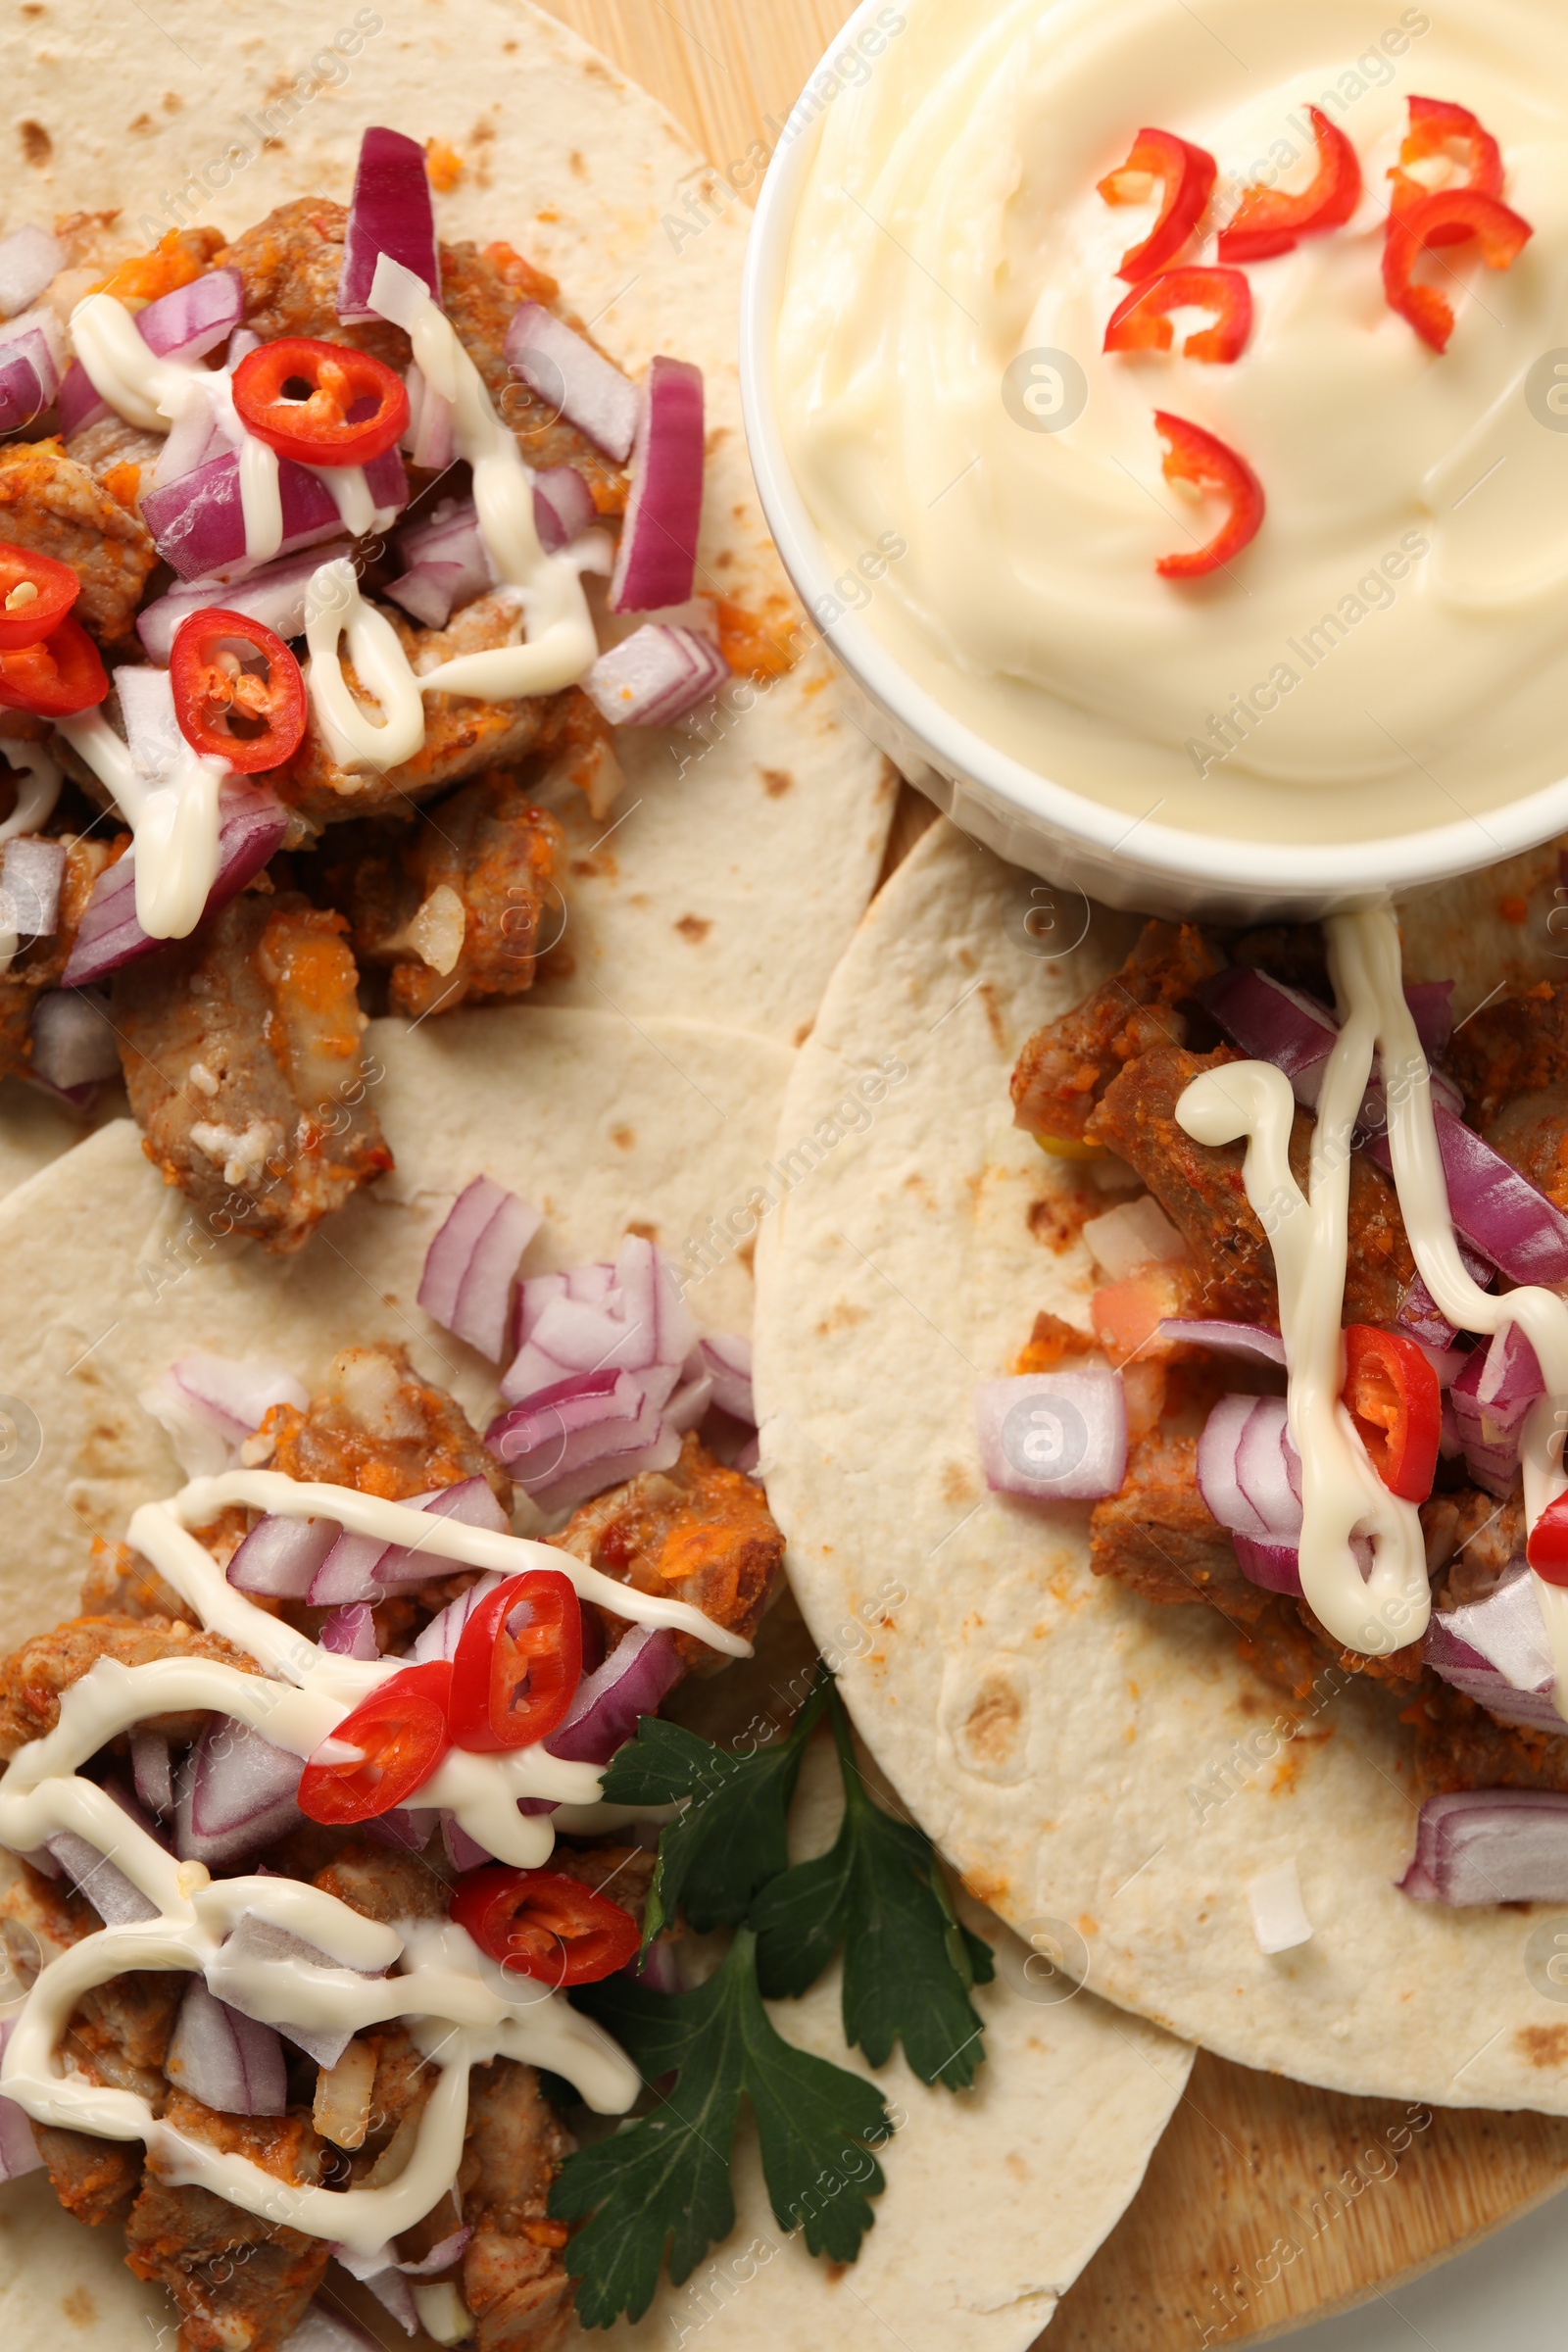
[
  {"x": 118, "y": 455},
  {"x": 1471, "y": 1538},
  {"x": 1159, "y": 1537},
  {"x": 57, "y": 507},
  {"x": 380, "y": 1428},
  {"x": 1460, "y": 1745},
  {"x": 1064, "y": 1069},
  {"x": 514, "y": 2281},
  {"x": 381, "y": 1883},
  {"x": 119, "y": 1582},
  {"x": 462, "y": 907},
  {"x": 1517, "y": 1045},
  {"x": 39, "y": 962},
  {"x": 241, "y": 1052},
  {"x": 241, "y": 2283},
  {"x": 95, "y": 2179},
  {"x": 33, "y": 1679},
  {"x": 697, "y": 1533}
]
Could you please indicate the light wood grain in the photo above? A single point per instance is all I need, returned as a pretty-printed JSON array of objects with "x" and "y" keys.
[{"x": 1267, "y": 2203}]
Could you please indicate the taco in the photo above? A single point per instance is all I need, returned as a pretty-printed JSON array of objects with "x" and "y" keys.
[
  {"x": 205, "y": 2059},
  {"x": 1218, "y": 1443},
  {"x": 508, "y": 699}
]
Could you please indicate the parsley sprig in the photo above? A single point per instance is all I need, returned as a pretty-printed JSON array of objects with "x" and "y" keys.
[{"x": 658, "y": 2189}]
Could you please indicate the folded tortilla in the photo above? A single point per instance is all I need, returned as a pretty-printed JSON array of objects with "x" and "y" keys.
[{"x": 1086, "y": 1758}]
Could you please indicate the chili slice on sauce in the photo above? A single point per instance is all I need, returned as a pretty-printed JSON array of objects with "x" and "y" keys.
[
  {"x": 238, "y": 692},
  {"x": 518, "y": 1663},
  {"x": 543, "y": 1925},
  {"x": 58, "y": 676},
  {"x": 1443, "y": 220},
  {"x": 400, "y": 1734},
  {"x": 36, "y": 595},
  {"x": 1186, "y": 174},
  {"x": 1267, "y": 220},
  {"x": 1202, "y": 459},
  {"x": 1140, "y": 321},
  {"x": 321, "y": 404},
  {"x": 1392, "y": 1396},
  {"x": 1438, "y": 127}
]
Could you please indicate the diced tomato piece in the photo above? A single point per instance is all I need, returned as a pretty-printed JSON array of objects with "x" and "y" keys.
[
  {"x": 36, "y": 595},
  {"x": 1438, "y": 127},
  {"x": 1268, "y": 221},
  {"x": 238, "y": 692},
  {"x": 1140, "y": 321},
  {"x": 321, "y": 404},
  {"x": 402, "y": 1734},
  {"x": 1195, "y": 455},
  {"x": 1392, "y": 1396},
  {"x": 57, "y": 677},
  {"x": 1442, "y": 220},
  {"x": 1547, "y": 1547},
  {"x": 518, "y": 1663},
  {"x": 1186, "y": 174},
  {"x": 541, "y": 1924}
]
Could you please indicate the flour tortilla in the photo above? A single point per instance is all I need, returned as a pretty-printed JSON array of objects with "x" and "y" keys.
[
  {"x": 1079, "y": 1753},
  {"x": 733, "y": 886},
  {"x": 999, "y": 2196}
]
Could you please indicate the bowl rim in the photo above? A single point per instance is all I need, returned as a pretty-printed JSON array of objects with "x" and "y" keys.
[{"x": 1358, "y": 871}]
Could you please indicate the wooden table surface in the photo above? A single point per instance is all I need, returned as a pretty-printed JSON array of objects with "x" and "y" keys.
[{"x": 1267, "y": 2202}]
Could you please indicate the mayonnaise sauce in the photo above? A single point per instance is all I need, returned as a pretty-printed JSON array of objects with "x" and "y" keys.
[{"x": 463, "y": 2008}]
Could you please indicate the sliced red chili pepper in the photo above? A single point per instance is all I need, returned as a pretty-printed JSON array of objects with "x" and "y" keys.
[
  {"x": 1392, "y": 1396},
  {"x": 1195, "y": 455},
  {"x": 56, "y": 677},
  {"x": 1187, "y": 173},
  {"x": 1438, "y": 128},
  {"x": 518, "y": 1663},
  {"x": 321, "y": 404},
  {"x": 1546, "y": 1548},
  {"x": 1268, "y": 221},
  {"x": 1442, "y": 220},
  {"x": 541, "y": 1924},
  {"x": 36, "y": 595},
  {"x": 1140, "y": 321},
  {"x": 238, "y": 692},
  {"x": 400, "y": 1732}
]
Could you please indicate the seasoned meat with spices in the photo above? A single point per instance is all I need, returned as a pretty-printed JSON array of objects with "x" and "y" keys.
[
  {"x": 34, "y": 1677},
  {"x": 382, "y": 1882},
  {"x": 241, "y": 2283},
  {"x": 241, "y": 1053},
  {"x": 514, "y": 2281},
  {"x": 462, "y": 733},
  {"x": 1532, "y": 1133},
  {"x": 377, "y": 1426},
  {"x": 1158, "y": 1538},
  {"x": 290, "y": 264},
  {"x": 460, "y": 907},
  {"x": 1460, "y": 1745},
  {"x": 96, "y": 2181},
  {"x": 698, "y": 1532},
  {"x": 1065, "y": 1068},
  {"x": 119, "y": 1582},
  {"x": 120, "y": 456},
  {"x": 1200, "y": 1187},
  {"x": 1471, "y": 1537},
  {"x": 622, "y": 1874},
  {"x": 39, "y": 962},
  {"x": 1517, "y": 1045},
  {"x": 57, "y": 507}
]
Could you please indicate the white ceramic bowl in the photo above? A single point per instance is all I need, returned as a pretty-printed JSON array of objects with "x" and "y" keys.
[{"x": 1030, "y": 818}]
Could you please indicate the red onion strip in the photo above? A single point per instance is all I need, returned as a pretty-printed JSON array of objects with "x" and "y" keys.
[{"x": 657, "y": 559}]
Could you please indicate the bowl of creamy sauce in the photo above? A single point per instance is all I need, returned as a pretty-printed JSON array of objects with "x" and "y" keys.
[{"x": 987, "y": 509}]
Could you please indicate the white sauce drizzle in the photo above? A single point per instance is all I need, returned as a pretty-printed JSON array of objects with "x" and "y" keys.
[
  {"x": 173, "y": 818},
  {"x": 1341, "y": 1492},
  {"x": 461, "y": 2008}
]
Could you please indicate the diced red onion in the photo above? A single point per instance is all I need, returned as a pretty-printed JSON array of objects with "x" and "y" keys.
[
  {"x": 72, "y": 1042},
  {"x": 151, "y": 1770},
  {"x": 113, "y": 1896},
  {"x": 470, "y": 1265},
  {"x": 1055, "y": 1437},
  {"x": 654, "y": 676},
  {"x": 251, "y": 823},
  {"x": 364, "y": 1568},
  {"x": 1252, "y": 1340},
  {"x": 255, "y": 1938},
  {"x": 726, "y": 1358},
  {"x": 31, "y": 874},
  {"x": 430, "y": 438},
  {"x": 78, "y": 402},
  {"x": 325, "y": 2328},
  {"x": 1497, "y": 1651},
  {"x": 124, "y": 1794},
  {"x": 407, "y": 1827},
  {"x": 640, "y": 1671},
  {"x": 576, "y": 381},
  {"x": 589, "y": 1432},
  {"x": 439, "y": 1638},
  {"x": 281, "y": 1556},
  {"x": 193, "y": 320},
  {"x": 1419, "y": 1312},
  {"x": 1493, "y": 1393},
  {"x": 225, "y": 2059},
  {"x": 428, "y": 592},
  {"x": 388, "y": 2277},
  {"x": 655, "y": 561},
  {"x": 19, "y": 2150},
  {"x": 689, "y": 1402},
  {"x": 234, "y": 1792},
  {"x": 1431, "y": 1003},
  {"x": 461, "y": 1851},
  {"x": 1274, "y": 1023},
  {"x": 1494, "y": 1208},
  {"x": 350, "y": 1633},
  {"x": 1491, "y": 1845},
  {"x": 198, "y": 523},
  {"x": 235, "y": 1393},
  {"x": 637, "y": 1322},
  {"x": 390, "y": 211},
  {"x": 1248, "y": 1472},
  {"x": 449, "y": 534},
  {"x": 29, "y": 257},
  {"x": 275, "y": 594},
  {"x": 27, "y": 383},
  {"x": 1277, "y": 1567},
  {"x": 563, "y": 506}
]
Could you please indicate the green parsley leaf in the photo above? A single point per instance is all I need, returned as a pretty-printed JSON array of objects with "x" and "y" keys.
[
  {"x": 731, "y": 1838},
  {"x": 661, "y": 2187},
  {"x": 908, "y": 1964}
]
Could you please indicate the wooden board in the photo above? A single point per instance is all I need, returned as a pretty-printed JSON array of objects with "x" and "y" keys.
[{"x": 1267, "y": 2203}]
